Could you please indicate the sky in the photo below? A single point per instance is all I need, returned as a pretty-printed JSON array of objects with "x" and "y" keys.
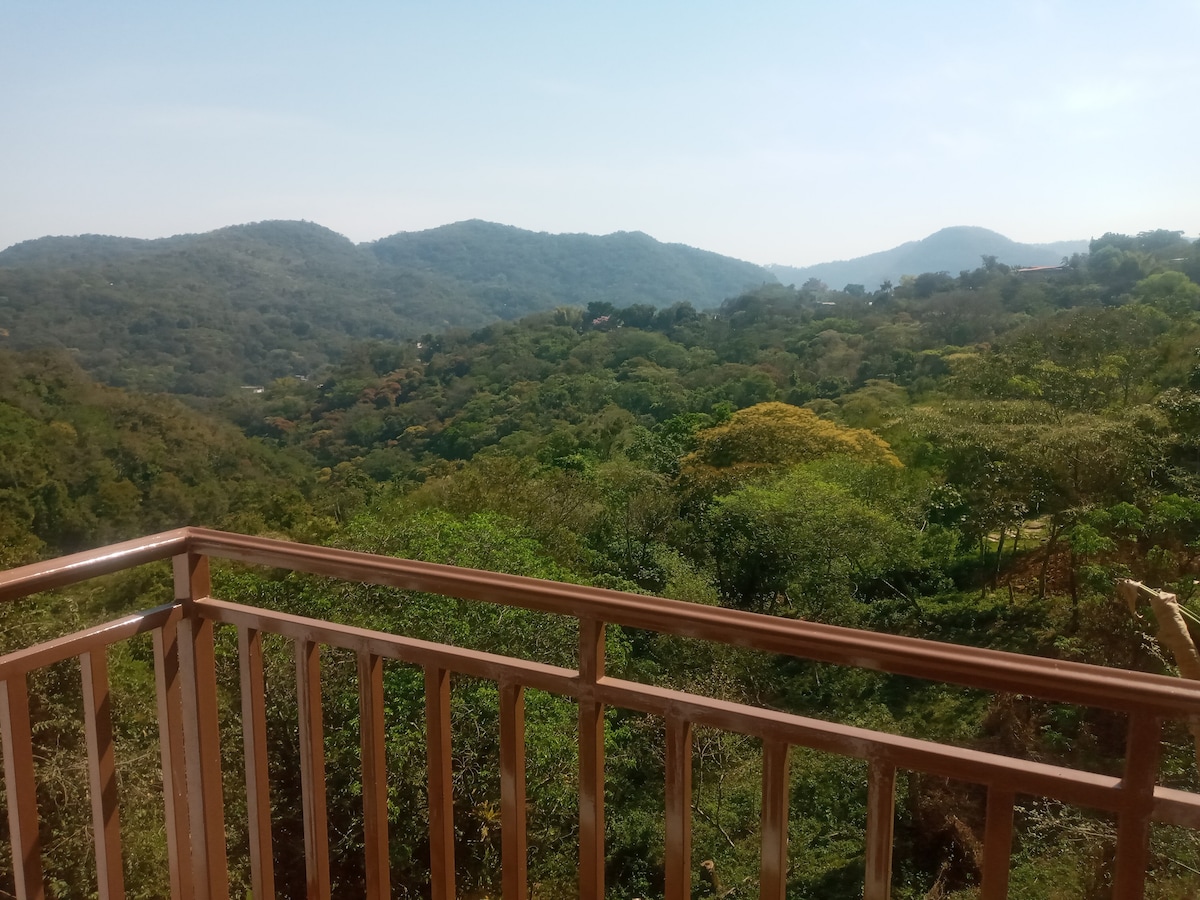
[{"x": 777, "y": 132}]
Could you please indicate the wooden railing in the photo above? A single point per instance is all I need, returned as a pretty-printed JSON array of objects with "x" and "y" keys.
[{"x": 188, "y": 720}]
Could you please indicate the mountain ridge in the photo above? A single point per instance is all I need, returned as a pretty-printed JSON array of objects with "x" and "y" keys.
[
  {"x": 950, "y": 249},
  {"x": 245, "y": 304}
]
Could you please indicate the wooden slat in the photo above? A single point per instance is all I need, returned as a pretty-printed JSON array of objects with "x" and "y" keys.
[
  {"x": 512, "y": 792},
  {"x": 254, "y": 745},
  {"x": 20, "y": 788},
  {"x": 1051, "y": 679},
  {"x": 372, "y": 736},
  {"x": 776, "y": 786},
  {"x": 312, "y": 770},
  {"x": 201, "y": 741},
  {"x": 881, "y": 823},
  {"x": 488, "y": 666},
  {"x": 1142, "y": 746},
  {"x": 591, "y": 762},
  {"x": 441, "y": 796},
  {"x": 168, "y": 691},
  {"x": 678, "y": 840},
  {"x": 975, "y": 766},
  {"x": 997, "y": 844},
  {"x": 38, "y": 656},
  {"x": 102, "y": 774}
]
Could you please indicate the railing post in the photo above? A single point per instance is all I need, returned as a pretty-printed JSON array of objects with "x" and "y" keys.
[
  {"x": 201, "y": 745},
  {"x": 1142, "y": 745},
  {"x": 374, "y": 772},
  {"x": 254, "y": 745},
  {"x": 440, "y": 776},
  {"x": 591, "y": 761},
  {"x": 881, "y": 824},
  {"x": 168, "y": 690},
  {"x": 312, "y": 769},
  {"x": 102, "y": 774},
  {"x": 776, "y": 787},
  {"x": 997, "y": 844},
  {"x": 20, "y": 788},
  {"x": 678, "y": 874},
  {"x": 512, "y": 791}
]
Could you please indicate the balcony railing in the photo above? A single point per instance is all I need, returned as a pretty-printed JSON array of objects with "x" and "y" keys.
[{"x": 187, "y": 712}]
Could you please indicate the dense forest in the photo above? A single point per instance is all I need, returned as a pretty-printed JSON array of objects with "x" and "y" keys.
[
  {"x": 971, "y": 458},
  {"x": 203, "y": 314}
]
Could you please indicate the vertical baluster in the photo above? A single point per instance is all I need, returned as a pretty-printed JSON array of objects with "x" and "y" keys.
[
  {"x": 591, "y": 762},
  {"x": 512, "y": 791},
  {"x": 678, "y": 875},
  {"x": 201, "y": 742},
  {"x": 374, "y": 772},
  {"x": 881, "y": 821},
  {"x": 102, "y": 773},
  {"x": 1142, "y": 745},
  {"x": 16, "y": 738},
  {"x": 168, "y": 692},
  {"x": 997, "y": 843},
  {"x": 441, "y": 798},
  {"x": 312, "y": 769},
  {"x": 254, "y": 737},
  {"x": 775, "y": 790}
]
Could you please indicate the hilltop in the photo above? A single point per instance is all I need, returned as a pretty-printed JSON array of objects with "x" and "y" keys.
[
  {"x": 950, "y": 250},
  {"x": 199, "y": 314}
]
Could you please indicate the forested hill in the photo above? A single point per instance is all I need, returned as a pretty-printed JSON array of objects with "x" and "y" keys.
[
  {"x": 949, "y": 250},
  {"x": 971, "y": 459},
  {"x": 510, "y": 267},
  {"x": 199, "y": 314}
]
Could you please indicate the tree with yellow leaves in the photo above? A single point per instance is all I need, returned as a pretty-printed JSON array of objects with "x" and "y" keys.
[{"x": 768, "y": 438}]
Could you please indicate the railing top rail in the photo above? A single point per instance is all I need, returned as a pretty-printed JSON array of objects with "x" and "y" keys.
[
  {"x": 67, "y": 570},
  {"x": 948, "y": 663}
]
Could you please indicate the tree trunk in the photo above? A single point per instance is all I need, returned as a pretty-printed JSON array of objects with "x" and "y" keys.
[{"x": 1055, "y": 529}]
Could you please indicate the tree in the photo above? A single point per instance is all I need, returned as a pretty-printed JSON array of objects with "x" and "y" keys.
[
  {"x": 803, "y": 538},
  {"x": 769, "y": 437}
]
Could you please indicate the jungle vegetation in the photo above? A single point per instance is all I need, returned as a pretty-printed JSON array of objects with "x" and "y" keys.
[{"x": 968, "y": 457}]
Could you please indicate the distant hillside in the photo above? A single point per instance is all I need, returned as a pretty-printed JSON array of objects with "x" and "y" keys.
[
  {"x": 512, "y": 271},
  {"x": 949, "y": 250},
  {"x": 199, "y": 314}
]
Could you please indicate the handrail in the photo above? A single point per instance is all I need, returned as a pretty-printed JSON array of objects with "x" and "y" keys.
[
  {"x": 997, "y": 670},
  {"x": 188, "y": 718}
]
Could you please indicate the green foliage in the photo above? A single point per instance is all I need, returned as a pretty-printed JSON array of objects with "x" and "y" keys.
[{"x": 1047, "y": 424}]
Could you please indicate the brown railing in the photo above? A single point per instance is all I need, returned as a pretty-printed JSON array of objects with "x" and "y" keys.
[{"x": 188, "y": 719}]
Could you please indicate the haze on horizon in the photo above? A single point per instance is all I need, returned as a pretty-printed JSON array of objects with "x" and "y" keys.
[{"x": 783, "y": 132}]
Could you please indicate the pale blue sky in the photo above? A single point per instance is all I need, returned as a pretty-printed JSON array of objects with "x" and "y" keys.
[{"x": 784, "y": 132}]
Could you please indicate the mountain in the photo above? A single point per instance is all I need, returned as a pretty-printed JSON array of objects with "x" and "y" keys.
[
  {"x": 199, "y": 314},
  {"x": 949, "y": 250},
  {"x": 508, "y": 268}
]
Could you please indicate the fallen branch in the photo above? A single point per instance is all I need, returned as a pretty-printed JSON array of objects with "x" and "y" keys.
[{"x": 1172, "y": 634}]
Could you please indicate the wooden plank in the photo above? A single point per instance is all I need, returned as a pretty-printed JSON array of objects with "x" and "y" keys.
[
  {"x": 38, "y": 656},
  {"x": 254, "y": 745},
  {"x": 20, "y": 789},
  {"x": 998, "y": 670},
  {"x": 881, "y": 824},
  {"x": 997, "y": 844},
  {"x": 312, "y": 770},
  {"x": 1142, "y": 747},
  {"x": 678, "y": 840},
  {"x": 440, "y": 775},
  {"x": 591, "y": 762},
  {"x": 514, "y": 850},
  {"x": 168, "y": 692},
  {"x": 102, "y": 774},
  {"x": 426, "y": 654},
  {"x": 372, "y": 735},
  {"x": 775, "y": 790},
  {"x": 201, "y": 741}
]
